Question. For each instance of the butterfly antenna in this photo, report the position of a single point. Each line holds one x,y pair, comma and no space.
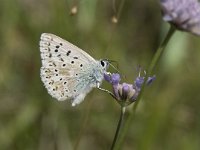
139,70
115,68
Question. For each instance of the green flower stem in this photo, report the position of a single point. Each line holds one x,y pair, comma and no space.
120,9
118,127
151,67
154,61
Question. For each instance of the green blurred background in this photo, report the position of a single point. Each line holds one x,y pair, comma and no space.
168,117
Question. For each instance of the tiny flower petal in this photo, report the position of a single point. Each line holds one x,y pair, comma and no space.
117,90
112,78
115,78
130,92
150,79
139,81
125,91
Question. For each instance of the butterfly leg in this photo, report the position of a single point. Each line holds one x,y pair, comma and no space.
104,90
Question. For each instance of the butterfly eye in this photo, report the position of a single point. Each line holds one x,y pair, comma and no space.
102,63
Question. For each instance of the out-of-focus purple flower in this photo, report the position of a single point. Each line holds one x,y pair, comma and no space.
184,14
126,93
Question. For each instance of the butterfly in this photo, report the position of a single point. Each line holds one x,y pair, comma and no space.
69,73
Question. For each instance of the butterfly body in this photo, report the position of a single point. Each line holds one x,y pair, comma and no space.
67,71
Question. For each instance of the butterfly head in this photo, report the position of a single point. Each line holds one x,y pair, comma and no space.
104,64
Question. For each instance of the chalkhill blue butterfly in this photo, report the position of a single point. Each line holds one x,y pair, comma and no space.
68,73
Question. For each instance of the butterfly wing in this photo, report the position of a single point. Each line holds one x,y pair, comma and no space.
63,70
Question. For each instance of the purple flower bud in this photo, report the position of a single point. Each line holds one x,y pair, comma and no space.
114,78
184,14
116,90
124,92
129,91
139,81
150,79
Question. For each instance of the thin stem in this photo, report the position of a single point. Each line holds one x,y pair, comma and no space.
161,49
151,67
120,9
117,12
154,62
118,127
114,6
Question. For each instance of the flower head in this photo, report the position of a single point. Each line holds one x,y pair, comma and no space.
126,93
184,14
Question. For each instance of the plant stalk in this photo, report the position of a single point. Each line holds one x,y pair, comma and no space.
121,118
151,67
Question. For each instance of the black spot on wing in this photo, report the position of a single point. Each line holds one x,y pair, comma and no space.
68,53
